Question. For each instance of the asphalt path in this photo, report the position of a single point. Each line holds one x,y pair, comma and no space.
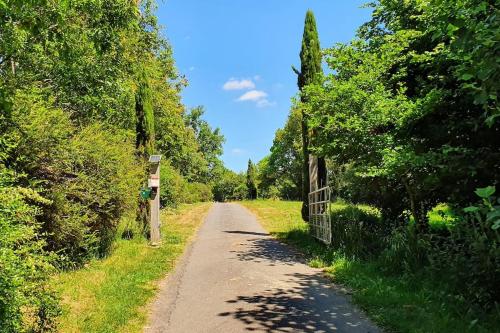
236,278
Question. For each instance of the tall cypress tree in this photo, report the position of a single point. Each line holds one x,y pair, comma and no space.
144,117
252,188
145,135
310,72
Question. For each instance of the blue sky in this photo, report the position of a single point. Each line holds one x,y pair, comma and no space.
237,57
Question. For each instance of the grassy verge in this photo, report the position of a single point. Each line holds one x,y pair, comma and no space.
111,295
397,303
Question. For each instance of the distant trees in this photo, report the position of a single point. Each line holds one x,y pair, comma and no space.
210,143
280,173
230,186
251,178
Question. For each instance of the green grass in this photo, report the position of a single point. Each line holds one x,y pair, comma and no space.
112,295
395,302
441,216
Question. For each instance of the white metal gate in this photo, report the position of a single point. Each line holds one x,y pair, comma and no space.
319,215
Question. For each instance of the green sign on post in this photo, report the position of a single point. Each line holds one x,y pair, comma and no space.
146,193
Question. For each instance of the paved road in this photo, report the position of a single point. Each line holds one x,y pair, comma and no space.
236,278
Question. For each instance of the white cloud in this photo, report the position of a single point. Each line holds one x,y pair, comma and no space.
237,151
262,103
234,84
253,95
257,96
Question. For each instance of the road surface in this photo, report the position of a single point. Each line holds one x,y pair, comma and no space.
236,278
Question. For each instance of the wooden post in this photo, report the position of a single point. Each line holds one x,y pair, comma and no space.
313,173
154,201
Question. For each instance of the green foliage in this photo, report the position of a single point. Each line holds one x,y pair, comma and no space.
356,230
471,253
396,111
251,186
80,82
280,174
172,186
230,186
27,303
310,53
87,173
209,142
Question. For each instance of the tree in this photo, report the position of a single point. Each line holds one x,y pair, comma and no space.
209,141
310,73
281,171
229,186
402,110
251,177
145,136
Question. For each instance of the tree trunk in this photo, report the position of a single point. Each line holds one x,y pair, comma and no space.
322,173
305,169
418,213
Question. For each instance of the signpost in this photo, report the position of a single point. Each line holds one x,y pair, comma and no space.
154,200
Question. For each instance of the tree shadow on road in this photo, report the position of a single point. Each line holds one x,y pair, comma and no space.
268,250
246,233
308,305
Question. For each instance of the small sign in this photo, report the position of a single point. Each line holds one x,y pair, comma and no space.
155,159
153,182
145,193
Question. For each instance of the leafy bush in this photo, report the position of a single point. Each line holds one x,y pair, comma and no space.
89,175
175,189
466,252
230,186
405,251
356,229
198,192
471,254
172,186
27,303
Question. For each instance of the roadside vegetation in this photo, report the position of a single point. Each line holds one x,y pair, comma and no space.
112,295
398,302
88,90
406,119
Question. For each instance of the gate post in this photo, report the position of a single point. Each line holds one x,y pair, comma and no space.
154,201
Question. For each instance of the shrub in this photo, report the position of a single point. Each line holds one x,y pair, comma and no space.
356,229
471,253
198,192
175,189
89,175
172,186
229,186
466,252
27,303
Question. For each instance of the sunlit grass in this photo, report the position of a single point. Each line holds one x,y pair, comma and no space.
394,301
111,295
